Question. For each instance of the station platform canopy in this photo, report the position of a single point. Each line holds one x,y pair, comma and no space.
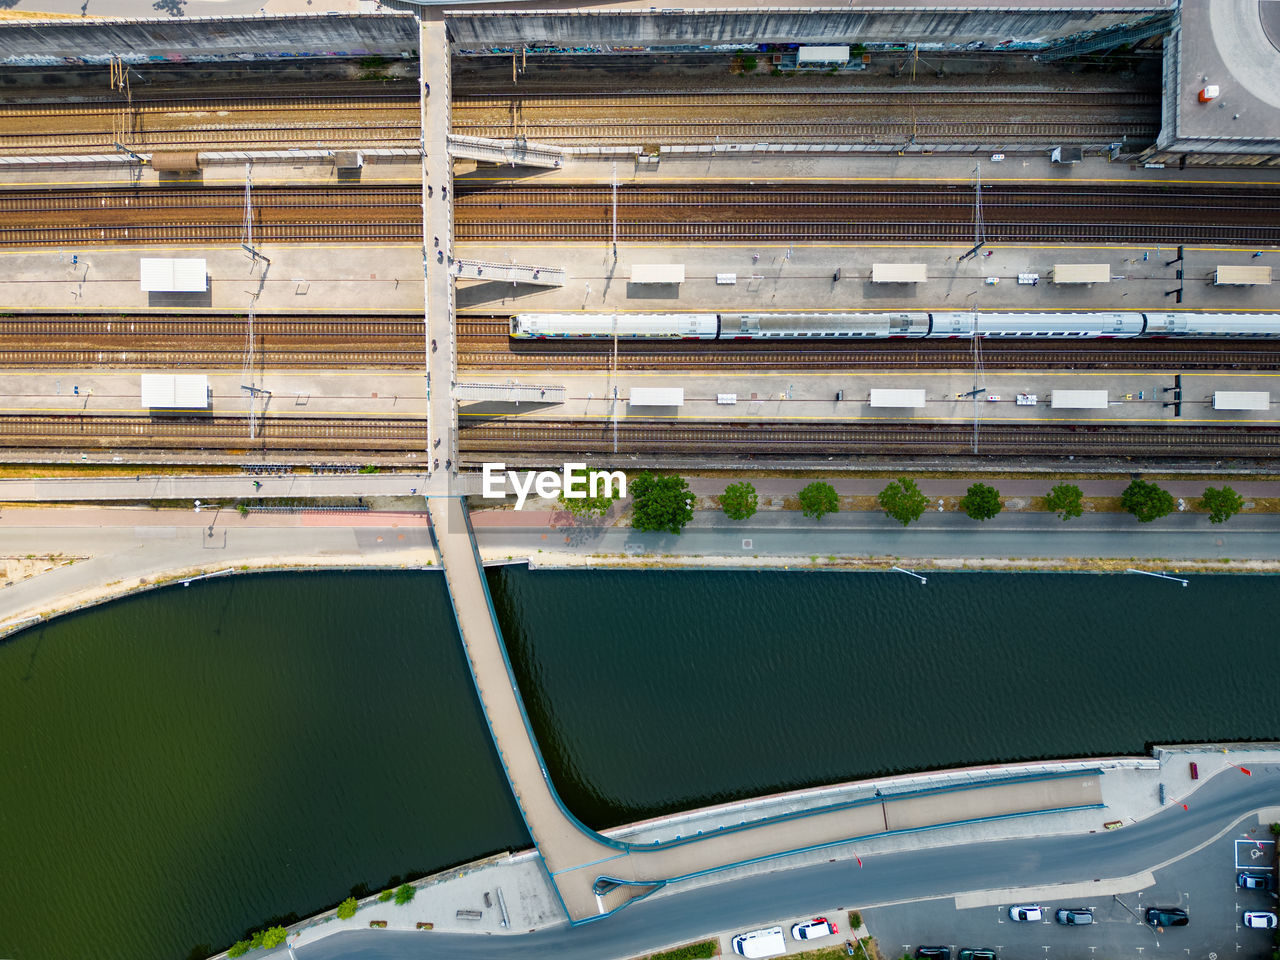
823,54
511,392
898,273
1241,400
656,397
165,275
657,273
1242,277
897,398
1079,400
169,391
1082,273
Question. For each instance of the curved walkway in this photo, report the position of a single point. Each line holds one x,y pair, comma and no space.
594,875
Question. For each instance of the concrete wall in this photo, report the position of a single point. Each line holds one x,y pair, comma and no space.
26,42
1027,28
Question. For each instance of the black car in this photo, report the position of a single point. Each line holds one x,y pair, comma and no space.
933,953
982,953
1075,916
1167,917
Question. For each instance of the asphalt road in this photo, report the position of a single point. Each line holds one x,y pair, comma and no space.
1219,807
1033,535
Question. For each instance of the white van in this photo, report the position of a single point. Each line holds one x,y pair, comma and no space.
760,943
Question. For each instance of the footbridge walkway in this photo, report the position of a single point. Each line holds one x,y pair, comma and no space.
592,874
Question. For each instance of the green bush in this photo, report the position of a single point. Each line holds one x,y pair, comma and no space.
347,908
369,468
981,502
1222,504
690,951
238,949
256,940
660,503
386,895
244,511
855,920
404,893
903,501
739,500
1146,501
818,499
272,937
1066,500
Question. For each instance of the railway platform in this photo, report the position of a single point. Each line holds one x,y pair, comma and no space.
371,279
1133,398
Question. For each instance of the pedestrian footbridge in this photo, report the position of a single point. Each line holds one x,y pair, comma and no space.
595,875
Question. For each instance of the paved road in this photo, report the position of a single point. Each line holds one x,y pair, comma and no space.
787,533
913,875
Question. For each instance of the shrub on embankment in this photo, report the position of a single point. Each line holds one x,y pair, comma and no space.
690,951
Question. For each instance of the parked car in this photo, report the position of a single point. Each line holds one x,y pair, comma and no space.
812,929
1167,917
981,953
1075,916
933,953
1259,919
1027,913
1256,880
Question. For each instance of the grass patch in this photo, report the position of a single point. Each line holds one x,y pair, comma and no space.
701,950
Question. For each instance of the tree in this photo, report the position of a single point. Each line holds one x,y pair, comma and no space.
1066,500
404,893
1222,504
739,500
818,499
588,506
660,503
347,908
903,501
274,936
1146,501
238,949
386,895
981,502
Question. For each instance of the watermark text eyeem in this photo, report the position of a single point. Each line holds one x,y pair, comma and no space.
573,481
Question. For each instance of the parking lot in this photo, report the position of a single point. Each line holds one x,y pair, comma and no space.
1203,884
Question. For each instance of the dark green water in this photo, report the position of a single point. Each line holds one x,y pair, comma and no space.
184,764
659,691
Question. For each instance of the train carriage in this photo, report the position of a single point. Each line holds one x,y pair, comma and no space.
799,326
1211,325
1059,325
626,326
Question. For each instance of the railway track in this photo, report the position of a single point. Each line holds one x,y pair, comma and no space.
782,439
501,353
58,342
852,99
210,433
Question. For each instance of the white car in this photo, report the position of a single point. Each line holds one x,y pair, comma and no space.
1259,919
1027,913
812,929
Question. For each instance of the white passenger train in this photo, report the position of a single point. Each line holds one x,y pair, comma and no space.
884,326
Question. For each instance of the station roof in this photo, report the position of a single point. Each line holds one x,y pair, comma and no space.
165,275
899,273
657,273
1247,276
1082,273
1079,399
897,398
656,397
1241,400
169,391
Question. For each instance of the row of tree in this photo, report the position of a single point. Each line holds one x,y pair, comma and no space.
665,503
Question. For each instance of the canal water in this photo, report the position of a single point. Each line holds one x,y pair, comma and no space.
183,765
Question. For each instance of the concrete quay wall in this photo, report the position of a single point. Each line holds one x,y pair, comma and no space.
1009,28
50,43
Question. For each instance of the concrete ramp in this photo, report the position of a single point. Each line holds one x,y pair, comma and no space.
511,153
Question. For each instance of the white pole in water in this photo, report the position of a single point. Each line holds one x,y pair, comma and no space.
923,580
1162,576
